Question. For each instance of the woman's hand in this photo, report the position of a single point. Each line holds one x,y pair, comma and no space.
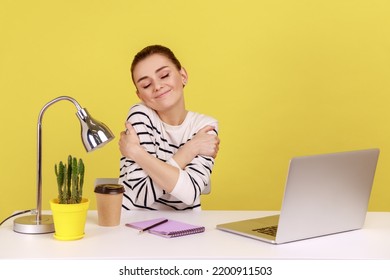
204,143
129,143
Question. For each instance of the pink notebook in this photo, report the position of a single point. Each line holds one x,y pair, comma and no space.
168,229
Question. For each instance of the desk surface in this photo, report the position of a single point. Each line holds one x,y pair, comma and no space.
121,242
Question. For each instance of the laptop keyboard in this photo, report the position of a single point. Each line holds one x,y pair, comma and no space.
267,230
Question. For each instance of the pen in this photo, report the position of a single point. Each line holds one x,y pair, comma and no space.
154,225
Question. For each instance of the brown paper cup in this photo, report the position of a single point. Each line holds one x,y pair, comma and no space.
109,204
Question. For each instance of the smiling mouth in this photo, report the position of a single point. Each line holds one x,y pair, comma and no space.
162,94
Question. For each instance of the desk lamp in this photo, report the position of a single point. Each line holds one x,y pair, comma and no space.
94,134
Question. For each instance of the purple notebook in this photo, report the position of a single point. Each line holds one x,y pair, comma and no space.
168,229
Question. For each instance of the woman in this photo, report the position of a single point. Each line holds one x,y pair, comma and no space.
167,152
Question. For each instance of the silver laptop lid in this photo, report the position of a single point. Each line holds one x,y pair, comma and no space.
326,194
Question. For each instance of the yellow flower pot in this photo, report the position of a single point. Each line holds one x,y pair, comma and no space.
69,219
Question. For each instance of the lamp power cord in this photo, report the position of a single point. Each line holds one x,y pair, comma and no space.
32,211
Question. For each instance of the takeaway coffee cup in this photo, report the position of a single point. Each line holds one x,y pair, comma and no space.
109,204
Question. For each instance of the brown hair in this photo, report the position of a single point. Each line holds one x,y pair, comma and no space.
154,49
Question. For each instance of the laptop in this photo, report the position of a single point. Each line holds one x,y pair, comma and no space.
324,194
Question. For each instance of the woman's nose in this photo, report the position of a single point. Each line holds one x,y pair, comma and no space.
158,86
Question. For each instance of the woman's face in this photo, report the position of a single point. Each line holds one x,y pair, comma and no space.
159,84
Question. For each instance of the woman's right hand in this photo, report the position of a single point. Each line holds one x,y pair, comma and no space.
205,143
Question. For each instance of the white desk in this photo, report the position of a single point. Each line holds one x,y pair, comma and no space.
121,242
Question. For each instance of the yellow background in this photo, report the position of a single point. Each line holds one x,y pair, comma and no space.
284,78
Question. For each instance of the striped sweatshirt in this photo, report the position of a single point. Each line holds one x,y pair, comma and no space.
162,141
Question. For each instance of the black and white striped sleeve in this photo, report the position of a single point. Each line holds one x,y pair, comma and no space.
195,176
141,190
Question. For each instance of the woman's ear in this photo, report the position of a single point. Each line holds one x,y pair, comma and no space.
184,76
139,96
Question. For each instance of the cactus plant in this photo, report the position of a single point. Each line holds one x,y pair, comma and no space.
70,180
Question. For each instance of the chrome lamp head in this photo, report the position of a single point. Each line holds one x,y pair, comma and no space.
94,134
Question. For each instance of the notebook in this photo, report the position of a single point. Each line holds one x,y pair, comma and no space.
170,228
324,194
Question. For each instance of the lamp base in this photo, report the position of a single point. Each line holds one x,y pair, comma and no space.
29,224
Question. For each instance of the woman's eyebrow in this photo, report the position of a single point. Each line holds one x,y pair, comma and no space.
158,70
142,78
161,68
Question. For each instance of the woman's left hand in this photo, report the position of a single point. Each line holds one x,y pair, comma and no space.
129,142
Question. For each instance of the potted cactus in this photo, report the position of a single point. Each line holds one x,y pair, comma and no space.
69,208
70,181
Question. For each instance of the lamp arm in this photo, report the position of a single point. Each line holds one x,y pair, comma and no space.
55,100
39,149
